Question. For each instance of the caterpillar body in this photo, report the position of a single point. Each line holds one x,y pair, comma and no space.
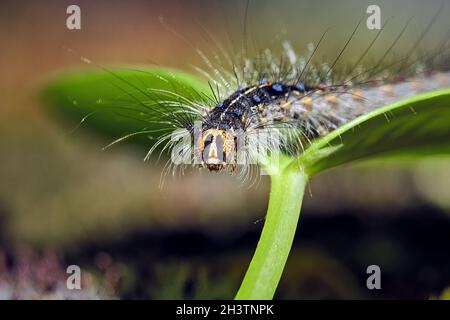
293,97
307,108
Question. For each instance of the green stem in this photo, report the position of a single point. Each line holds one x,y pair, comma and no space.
266,267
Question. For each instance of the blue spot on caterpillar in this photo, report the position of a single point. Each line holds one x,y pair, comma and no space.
278,87
300,86
256,98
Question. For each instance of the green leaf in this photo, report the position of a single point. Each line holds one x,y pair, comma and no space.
418,126
123,100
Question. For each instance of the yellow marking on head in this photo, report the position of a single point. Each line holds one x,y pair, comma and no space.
221,148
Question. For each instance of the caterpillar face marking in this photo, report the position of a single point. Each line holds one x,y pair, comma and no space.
218,148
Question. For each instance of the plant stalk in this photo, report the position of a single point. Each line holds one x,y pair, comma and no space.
265,270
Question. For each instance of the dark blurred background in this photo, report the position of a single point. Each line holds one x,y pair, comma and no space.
65,201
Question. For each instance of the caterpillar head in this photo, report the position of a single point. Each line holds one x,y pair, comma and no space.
218,149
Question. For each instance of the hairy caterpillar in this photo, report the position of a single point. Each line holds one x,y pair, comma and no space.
294,97
306,103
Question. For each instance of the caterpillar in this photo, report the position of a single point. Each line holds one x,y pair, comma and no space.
295,106
291,97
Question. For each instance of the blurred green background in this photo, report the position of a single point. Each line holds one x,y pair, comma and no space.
65,201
